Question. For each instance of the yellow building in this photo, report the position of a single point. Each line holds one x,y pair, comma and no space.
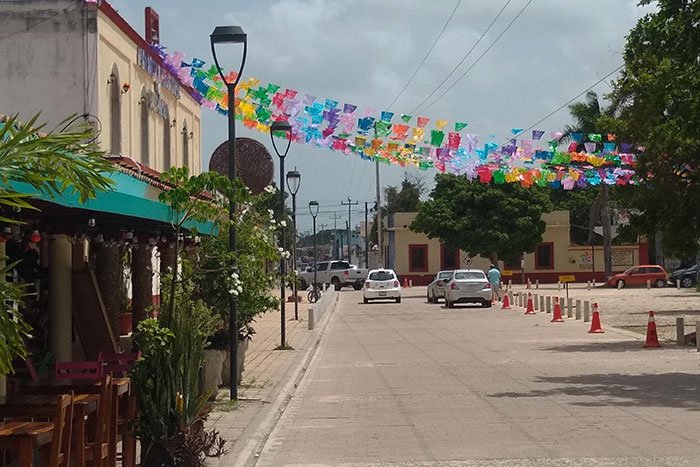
416,257
72,57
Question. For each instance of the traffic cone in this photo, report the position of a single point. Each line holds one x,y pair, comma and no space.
595,321
530,308
557,318
506,302
652,341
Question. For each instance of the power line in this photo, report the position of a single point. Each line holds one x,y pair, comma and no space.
522,10
410,80
464,57
65,10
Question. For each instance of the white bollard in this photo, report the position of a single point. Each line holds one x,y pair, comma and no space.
697,333
312,317
541,302
537,283
586,316
535,302
558,285
510,297
593,283
549,304
678,284
529,284
578,309
569,307
410,282
588,285
619,285
648,284
680,331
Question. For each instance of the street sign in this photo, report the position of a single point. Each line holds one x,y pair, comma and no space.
507,272
569,278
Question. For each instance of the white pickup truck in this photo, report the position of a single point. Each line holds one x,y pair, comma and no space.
338,273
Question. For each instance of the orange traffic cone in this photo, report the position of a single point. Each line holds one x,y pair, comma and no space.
506,302
530,307
557,318
652,341
595,321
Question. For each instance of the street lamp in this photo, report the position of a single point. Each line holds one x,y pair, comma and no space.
313,209
293,182
231,35
281,126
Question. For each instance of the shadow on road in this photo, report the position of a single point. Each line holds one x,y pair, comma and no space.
677,390
626,346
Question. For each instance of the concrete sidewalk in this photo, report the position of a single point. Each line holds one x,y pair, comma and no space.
269,380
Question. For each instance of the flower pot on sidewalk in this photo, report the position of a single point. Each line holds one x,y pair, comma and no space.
211,372
226,373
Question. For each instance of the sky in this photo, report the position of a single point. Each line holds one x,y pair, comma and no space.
537,55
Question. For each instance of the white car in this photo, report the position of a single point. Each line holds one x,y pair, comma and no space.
381,284
468,286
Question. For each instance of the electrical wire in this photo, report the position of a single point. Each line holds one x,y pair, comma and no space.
505,5
65,10
410,80
522,10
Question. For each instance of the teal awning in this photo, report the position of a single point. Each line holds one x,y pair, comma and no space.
129,197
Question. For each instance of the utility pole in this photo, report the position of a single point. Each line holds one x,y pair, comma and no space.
379,218
349,204
323,227
366,238
335,230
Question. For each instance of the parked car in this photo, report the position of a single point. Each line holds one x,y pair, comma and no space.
687,276
468,286
639,275
337,273
381,284
436,289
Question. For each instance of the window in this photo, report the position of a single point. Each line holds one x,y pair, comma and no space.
338,265
418,258
470,275
115,112
449,257
544,256
166,144
145,149
382,276
185,146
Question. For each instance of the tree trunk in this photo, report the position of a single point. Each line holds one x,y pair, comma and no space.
658,247
141,284
108,269
607,233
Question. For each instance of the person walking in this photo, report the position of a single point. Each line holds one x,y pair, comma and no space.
494,276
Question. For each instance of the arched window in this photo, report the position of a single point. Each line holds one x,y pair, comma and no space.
167,129
115,112
185,145
145,149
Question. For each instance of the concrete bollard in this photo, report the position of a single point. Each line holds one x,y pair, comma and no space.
680,331
593,283
510,296
697,333
569,307
537,283
619,285
588,285
648,284
549,304
510,283
535,302
541,302
529,284
678,284
312,317
586,306
325,287
578,309
558,285
410,282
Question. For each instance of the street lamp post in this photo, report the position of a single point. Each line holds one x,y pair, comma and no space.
293,183
313,209
231,35
282,126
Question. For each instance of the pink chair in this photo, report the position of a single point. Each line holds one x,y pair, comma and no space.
79,370
118,364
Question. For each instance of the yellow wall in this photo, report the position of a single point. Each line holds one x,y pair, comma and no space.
116,49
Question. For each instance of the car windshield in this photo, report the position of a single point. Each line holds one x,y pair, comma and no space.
381,276
445,275
469,275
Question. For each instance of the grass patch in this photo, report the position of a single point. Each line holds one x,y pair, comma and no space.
284,347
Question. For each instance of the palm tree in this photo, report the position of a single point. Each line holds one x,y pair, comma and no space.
63,160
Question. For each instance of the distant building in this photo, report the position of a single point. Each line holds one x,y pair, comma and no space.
415,256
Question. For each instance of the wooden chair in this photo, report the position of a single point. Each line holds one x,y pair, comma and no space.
97,450
118,364
78,370
52,437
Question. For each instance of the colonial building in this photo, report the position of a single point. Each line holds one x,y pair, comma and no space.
414,256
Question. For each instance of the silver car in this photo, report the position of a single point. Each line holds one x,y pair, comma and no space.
436,289
381,284
468,286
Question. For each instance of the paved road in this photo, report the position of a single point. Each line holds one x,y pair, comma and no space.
417,384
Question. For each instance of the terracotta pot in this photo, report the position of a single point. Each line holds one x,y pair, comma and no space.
124,324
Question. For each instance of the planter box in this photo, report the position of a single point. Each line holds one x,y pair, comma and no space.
226,373
216,373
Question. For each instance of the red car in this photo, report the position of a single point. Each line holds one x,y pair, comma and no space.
639,275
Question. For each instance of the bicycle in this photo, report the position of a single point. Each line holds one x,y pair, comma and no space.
314,294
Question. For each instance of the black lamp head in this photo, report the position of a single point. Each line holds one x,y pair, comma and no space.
313,208
293,181
280,125
228,34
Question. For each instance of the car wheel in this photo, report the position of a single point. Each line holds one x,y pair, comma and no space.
357,286
660,283
336,283
398,300
486,304
620,284
365,300
449,304
428,298
303,285
687,282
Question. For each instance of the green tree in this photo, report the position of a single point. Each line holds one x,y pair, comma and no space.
64,160
494,221
403,198
660,110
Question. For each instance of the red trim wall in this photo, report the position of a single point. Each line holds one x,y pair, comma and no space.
423,246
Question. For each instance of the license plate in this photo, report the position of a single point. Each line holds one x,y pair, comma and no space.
382,294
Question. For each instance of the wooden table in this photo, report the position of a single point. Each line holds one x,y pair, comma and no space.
122,391
44,406
25,437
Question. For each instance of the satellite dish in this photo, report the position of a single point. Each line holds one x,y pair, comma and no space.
253,163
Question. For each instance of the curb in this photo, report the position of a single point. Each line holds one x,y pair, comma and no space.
254,443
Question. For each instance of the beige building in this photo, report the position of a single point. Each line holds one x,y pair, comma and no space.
414,256
72,57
